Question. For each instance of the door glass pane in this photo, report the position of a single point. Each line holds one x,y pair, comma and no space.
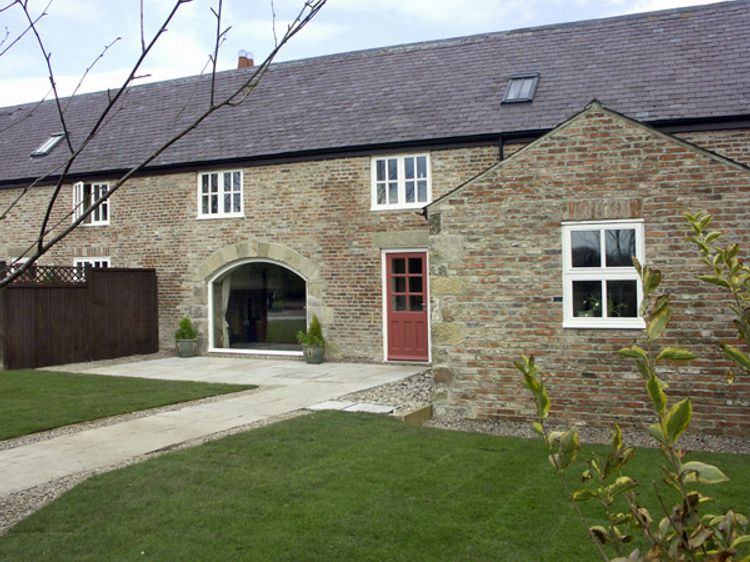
620,247
415,303
399,284
622,299
584,245
415,265
399,265
587,298
399,302
415,284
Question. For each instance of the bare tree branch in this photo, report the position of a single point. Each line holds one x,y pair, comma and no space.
30,27
89,68
39,247
143,34
273,24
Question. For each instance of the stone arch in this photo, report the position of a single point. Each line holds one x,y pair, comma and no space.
252,250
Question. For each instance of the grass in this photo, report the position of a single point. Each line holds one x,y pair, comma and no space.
32,401
330,486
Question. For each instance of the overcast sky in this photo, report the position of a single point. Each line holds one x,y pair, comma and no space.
76,31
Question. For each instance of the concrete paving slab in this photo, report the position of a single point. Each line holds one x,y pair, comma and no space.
330,405
285,386
370,408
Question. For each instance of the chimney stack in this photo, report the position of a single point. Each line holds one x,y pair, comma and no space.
245,59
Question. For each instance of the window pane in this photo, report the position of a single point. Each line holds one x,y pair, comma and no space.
620,247
380,170
214,204
525,90
399,302
409,168
622,299
422,191
381,194
587,298
204,183
392,169
514,88
399,284
227,202
415,284
204,204
399,265
584,246
415,265
422,167
236,181
227,181
410,192
392,193
236,204
415,303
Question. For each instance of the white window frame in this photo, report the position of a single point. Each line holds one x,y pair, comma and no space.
602,273
401,181
15,263
220,192
82,201
93,261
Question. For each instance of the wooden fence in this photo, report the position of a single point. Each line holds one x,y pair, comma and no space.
56,315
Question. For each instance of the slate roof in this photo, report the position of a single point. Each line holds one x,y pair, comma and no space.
676,64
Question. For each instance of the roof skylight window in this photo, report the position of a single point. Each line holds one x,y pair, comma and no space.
47,146
521,87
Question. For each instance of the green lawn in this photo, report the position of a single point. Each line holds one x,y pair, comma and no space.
33,401
329,486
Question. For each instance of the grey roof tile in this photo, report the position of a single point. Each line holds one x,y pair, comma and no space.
684,63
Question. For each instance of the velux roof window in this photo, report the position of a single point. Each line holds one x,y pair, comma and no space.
521,87
47,146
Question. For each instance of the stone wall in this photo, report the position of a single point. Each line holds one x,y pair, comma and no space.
496,274
313,216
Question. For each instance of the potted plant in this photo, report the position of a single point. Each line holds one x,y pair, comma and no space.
185,338
313,342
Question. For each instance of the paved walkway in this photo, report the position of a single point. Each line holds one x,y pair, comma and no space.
285,386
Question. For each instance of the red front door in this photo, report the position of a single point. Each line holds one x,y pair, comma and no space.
406,291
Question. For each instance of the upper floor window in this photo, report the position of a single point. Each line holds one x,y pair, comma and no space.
401,182
85,196
220,194
601,288
95,262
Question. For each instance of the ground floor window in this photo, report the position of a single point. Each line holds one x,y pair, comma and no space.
258,306
601,288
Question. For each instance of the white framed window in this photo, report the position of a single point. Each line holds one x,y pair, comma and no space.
220,194
401,182
16,263
99,262
85,196
601,288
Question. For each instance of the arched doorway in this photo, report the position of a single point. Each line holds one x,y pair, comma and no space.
257,306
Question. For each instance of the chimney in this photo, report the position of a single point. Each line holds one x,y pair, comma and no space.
245,59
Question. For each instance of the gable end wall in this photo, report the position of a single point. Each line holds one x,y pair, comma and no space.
496,273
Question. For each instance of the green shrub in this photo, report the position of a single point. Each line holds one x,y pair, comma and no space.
186,330
678,532
314,334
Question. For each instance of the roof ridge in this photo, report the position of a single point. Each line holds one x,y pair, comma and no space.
415,46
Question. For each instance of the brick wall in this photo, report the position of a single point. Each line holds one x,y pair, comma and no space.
319,210
734,144
496,276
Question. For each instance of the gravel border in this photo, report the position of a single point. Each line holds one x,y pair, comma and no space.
405,395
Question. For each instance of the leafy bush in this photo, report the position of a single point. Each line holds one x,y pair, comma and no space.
186,330
681,532
314,334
